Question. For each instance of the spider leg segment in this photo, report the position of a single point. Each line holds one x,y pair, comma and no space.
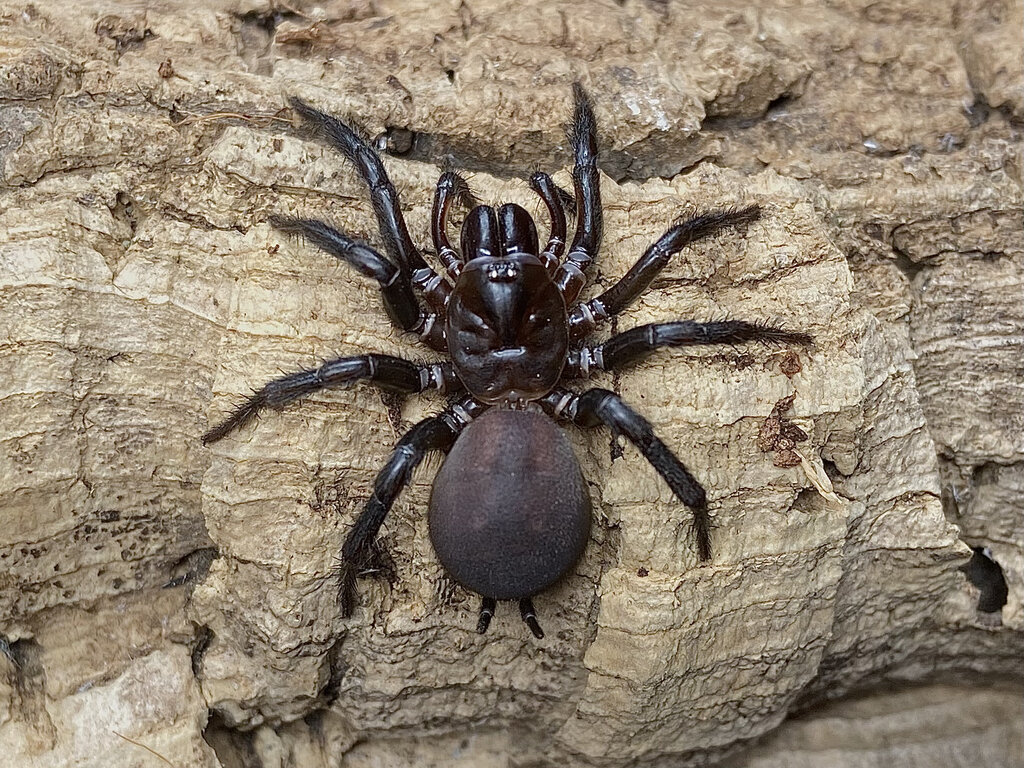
396,290
634,345
582,135
548,192
530,617
601,406
387,372
383,196
586,316
450,187
436,433
487,608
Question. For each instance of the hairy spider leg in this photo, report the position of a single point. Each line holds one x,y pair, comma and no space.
387,372
384,197
586,316
634,345
487,608
601,406
436,433
582,134
395,288
450,187
550,194
530,617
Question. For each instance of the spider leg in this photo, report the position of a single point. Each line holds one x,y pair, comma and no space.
387,372
601,406
396,290
487,608
436,433
586,316
383,196
530,617
450,187
633,345
582,135
548,192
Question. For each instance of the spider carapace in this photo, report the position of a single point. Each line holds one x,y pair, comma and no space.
509,509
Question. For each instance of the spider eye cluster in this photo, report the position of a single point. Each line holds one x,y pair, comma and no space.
503,271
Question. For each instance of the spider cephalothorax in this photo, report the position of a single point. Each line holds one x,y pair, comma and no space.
509,511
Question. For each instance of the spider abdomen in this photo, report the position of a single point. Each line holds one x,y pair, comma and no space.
509,510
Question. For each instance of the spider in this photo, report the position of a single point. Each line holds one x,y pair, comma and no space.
509,510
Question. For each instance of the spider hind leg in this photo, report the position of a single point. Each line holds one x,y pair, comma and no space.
487,608
601,406
530,617
374,562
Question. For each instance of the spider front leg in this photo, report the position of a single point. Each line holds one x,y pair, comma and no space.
601,406
395,287
530,617
436,433
387,372
633,345
384,197
488,606
582,134
587,316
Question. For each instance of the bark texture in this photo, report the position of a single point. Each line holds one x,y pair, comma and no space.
160,597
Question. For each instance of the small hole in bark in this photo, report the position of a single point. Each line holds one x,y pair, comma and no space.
615,448
807,500
778,106
338,671
203,639
395,141
987,575
831,469
7,649
25,656
265,20
234,747
978,112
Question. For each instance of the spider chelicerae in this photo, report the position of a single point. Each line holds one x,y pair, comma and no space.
509,509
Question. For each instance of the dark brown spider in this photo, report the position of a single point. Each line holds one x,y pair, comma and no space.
509,510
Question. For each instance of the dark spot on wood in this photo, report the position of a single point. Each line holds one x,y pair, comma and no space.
790,364
781,435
